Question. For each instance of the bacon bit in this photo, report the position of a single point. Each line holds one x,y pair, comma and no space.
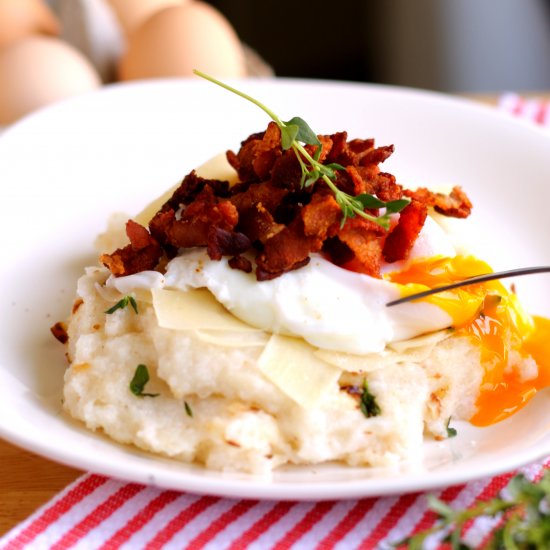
363,238
386,188
138,235
403,236
268,214
339,144
286,251
256,206
257,154
286,171
208,221
360,182
266,193
191,186
143,253
456,204
209,208
326,147
225,243
263,275
321,217
59,330
361,152
240,262
258,224
76,305
338,252
375,155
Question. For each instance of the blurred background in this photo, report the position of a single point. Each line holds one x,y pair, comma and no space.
462,45
50,49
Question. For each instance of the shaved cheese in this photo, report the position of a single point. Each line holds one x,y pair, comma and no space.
215,168
420,341
193,310
413,350
354,363
291,364
233,339
218,168
146,215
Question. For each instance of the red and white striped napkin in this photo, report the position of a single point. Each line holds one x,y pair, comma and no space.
533,109
97,512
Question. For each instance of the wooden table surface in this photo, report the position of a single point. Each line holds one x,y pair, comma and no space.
28,481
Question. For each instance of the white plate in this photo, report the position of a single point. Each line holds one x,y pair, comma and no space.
65,169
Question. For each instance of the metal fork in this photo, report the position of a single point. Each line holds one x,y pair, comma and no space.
471,281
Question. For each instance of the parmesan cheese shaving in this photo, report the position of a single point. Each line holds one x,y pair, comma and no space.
355,363
414,349
194,310
420,341
291,364
233,339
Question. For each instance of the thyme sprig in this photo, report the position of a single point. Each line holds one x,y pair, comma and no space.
523,507
295,134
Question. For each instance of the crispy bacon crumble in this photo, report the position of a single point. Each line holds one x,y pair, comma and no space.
59,330
270,217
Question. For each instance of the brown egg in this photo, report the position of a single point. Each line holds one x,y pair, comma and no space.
20,18
179,39
132,13
38,70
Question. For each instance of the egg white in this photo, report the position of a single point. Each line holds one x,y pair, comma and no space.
328,306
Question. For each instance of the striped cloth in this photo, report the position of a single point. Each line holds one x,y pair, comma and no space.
97,512
533,109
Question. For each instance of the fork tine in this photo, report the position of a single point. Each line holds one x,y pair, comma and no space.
471,281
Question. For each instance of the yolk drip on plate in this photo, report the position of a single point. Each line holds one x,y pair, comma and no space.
493,317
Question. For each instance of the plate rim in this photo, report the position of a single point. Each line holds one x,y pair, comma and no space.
275,491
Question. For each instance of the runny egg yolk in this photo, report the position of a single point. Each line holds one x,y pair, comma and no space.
492,316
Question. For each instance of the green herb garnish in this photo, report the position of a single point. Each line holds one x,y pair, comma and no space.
188,409
138,382
121,304
523,506
451,432
368,405
295,133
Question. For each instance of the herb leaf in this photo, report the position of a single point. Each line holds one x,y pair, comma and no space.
451,432
335,166
138,382
310,178
368,405
288,135
393,207
304,133
523,507
121,304
369,201
188,409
